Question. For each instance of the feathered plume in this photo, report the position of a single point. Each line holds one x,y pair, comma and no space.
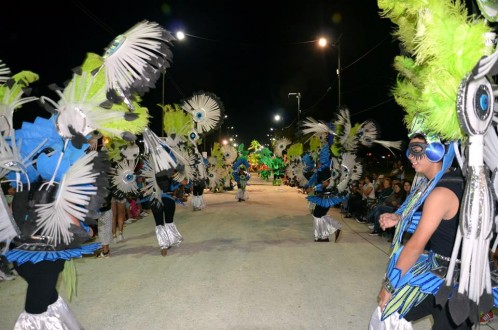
83,107
206,110
74,195
151,189
124,178
4,72
135,59
154,146
280,146
229,154
315,127
368,133
11,97
176,122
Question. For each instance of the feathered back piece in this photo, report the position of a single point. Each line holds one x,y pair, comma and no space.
206,110
433,32
135,59
280,146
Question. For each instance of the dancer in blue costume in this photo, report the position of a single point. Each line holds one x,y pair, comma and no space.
323,199
61,183
417,269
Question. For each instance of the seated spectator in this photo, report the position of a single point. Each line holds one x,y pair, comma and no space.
354,201
368,194
8,192
390,204
379,184
387,190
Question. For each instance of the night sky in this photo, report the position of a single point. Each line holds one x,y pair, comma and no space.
250,54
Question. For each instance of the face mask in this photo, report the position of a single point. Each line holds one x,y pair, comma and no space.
434,151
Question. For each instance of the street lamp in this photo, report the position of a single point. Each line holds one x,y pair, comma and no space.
298,96
322,42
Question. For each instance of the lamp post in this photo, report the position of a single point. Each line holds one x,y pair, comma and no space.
339,71
322,42
298,96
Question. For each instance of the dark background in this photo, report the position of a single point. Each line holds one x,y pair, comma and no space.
250,54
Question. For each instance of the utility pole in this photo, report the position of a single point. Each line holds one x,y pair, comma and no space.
298,96
339,71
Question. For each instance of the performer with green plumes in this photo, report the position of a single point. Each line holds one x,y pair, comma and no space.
446,87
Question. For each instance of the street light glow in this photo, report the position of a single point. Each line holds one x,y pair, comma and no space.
277,117
322,42
180,35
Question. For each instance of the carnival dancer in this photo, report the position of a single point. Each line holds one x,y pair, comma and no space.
158,170
437,228
198,186
61,183
241,175
453,286
322,199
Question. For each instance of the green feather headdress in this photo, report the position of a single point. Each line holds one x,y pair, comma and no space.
176,120
295,151
445,44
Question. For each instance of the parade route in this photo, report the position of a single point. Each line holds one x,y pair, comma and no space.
242,265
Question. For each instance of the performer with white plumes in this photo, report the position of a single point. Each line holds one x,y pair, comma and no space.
322,199
61,182
206,110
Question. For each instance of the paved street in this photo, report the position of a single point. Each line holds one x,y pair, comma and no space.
242,265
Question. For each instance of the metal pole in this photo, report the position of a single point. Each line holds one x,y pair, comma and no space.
162,110
298,106
339,73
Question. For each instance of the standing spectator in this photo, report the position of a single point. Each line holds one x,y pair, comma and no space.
398,170
105,228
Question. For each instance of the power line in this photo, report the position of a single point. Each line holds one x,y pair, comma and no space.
374,106
94,17
362,56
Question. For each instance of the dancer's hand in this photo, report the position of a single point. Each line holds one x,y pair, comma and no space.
388,220
383,298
